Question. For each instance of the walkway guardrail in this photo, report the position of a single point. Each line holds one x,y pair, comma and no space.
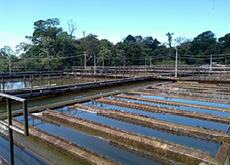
9,98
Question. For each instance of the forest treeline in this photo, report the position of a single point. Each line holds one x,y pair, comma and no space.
52,48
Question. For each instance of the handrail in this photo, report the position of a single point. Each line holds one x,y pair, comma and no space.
12,97
9,113
9,116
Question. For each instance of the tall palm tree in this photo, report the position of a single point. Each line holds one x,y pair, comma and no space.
169,35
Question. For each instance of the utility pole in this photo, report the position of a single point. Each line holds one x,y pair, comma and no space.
85,59
176,63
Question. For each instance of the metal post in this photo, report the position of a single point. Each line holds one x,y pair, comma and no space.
11,143
49,82
124,62
94,59
41,78
210,65
25,114
24,80
10,66
150,61
9,115
115,73
61,76
103,62
85,59
25,65
176,63
68,80
31,84
3,85
75,77
225,66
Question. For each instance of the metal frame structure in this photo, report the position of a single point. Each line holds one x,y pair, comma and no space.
9,117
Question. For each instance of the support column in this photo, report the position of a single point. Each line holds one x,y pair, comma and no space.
3,85
49,83
25,114
24,80
210,65
41,79
31,84
68,80
85,59
176,63
11,143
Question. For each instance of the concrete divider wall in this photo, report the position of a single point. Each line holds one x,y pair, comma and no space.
164,148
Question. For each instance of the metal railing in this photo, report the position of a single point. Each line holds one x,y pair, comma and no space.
9,117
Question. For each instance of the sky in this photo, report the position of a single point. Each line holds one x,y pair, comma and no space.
116,19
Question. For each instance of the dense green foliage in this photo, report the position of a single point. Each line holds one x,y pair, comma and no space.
52,48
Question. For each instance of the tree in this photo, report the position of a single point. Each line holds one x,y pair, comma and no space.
181,40
7,55
7,51
91,45
225,43
51,48
138,39
65,44
203,46
71,27
151,43
183,46
47,28
47,47
23,48
119,55
169,35
130,39
205,43
50,45
104,53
